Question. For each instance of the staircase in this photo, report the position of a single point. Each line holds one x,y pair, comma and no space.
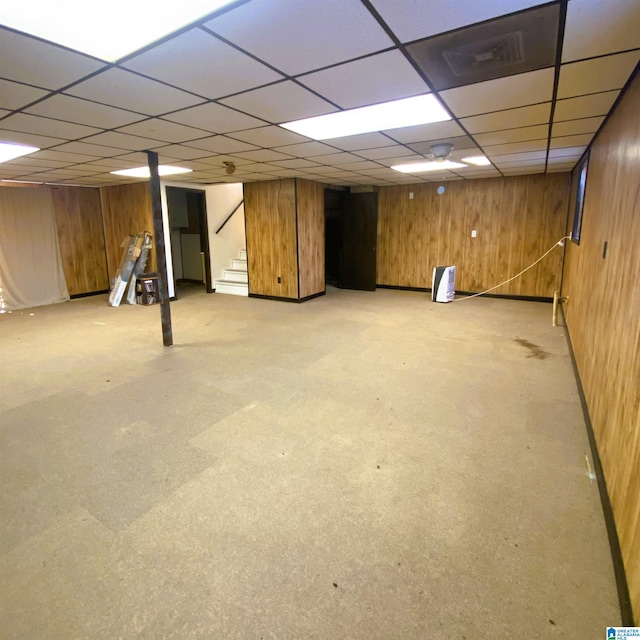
234,281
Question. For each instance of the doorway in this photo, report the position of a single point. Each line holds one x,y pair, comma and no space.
351,235
189,240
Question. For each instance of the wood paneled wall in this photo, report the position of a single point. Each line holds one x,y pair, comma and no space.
310,205
517,219
603,317
126,210
270,224
81,236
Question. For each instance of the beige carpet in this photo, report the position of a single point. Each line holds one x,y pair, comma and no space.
363,465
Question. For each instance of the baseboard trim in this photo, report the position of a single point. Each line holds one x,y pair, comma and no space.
393,286
281,299
469,293
75,296
622,585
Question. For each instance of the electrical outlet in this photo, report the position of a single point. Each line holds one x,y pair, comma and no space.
474,233
410,195
279,280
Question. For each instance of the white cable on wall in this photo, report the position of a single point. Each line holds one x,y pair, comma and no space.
560,243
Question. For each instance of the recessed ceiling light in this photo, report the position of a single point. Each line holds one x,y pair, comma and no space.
143,172
106,30
9,151
477,160
407,112
419,167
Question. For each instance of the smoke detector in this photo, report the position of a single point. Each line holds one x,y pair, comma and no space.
441,151
229,167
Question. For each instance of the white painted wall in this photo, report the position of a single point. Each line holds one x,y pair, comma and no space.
221,201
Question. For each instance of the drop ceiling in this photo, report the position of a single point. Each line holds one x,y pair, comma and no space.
217,90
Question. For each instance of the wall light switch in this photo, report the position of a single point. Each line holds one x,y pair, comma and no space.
474,233
410,195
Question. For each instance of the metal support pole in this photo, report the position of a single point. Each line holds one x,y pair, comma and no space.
158,232
554,318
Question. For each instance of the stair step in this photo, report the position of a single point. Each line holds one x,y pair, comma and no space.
231,287
243,254
239,263
236,275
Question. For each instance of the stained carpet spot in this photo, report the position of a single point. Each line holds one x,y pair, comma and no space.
535,351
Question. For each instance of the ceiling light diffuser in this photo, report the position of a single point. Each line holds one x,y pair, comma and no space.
106,30
420,167
480,161
407,112
143,172
10,151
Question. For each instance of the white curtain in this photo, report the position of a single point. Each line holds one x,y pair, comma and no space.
31,271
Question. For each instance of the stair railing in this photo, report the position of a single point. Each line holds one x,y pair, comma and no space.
221,227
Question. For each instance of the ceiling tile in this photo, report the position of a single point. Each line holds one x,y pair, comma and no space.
569,157
384,152
509,119
215,118
47,126
327,31
84,112
33,139
40,63
574,127
296,163
393,160
14,95
461,142
598,27
221,144
537,132
515,147
307,149
262,155
561,168
280,102
413,19
379,78
69,158
88,149
423,132
121,141
4,112
595,104
337,158
515,171
179,151
179,62
571,141
120,88
362,141
271,136
503,93
540,162
284,173
593,76
564,152
159,129
518,157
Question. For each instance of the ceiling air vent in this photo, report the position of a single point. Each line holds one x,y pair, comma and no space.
486,55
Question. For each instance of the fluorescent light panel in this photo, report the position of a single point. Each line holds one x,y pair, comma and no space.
106,30
143,172
420,167
10,151
479,161
407,112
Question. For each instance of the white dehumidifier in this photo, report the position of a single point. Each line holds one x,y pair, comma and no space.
443,284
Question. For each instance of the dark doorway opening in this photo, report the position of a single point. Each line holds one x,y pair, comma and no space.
351,234
189,240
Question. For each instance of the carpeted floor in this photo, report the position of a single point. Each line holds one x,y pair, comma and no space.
361,466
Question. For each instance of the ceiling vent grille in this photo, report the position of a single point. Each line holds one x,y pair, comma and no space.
494,53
